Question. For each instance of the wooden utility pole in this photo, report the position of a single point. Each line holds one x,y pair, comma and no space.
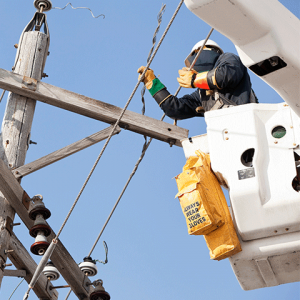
16,126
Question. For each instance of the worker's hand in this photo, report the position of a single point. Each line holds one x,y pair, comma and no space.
185,79
148,78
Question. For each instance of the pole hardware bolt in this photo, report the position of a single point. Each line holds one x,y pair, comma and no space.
16,46
44,75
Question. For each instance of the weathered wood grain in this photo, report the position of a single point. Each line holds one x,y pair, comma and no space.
17,121
64,152
63,261
94,109
23,261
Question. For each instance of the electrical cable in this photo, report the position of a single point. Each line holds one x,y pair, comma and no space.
50,249
79,8
16,288
2,95
194,61
159,19
145,147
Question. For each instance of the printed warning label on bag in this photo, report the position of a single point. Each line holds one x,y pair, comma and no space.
192,214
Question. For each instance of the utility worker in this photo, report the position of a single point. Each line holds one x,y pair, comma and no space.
220,78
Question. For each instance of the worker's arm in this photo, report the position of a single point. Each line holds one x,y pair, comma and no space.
176,108
227,74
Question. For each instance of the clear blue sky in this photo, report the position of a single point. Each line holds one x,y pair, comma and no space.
151,256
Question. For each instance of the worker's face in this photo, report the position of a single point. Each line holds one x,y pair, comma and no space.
205,61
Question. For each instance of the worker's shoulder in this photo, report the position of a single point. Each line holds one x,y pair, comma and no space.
229,57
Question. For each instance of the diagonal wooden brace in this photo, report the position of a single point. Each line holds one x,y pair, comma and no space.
63,261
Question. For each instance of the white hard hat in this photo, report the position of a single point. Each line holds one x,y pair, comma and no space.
209,43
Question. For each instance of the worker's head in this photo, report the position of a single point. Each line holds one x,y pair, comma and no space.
207,58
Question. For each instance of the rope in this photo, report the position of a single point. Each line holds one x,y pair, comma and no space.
16,288
159,19
50,249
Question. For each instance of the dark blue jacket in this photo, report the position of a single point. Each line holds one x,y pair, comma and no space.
233,83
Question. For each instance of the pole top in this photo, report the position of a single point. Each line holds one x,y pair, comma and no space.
42,5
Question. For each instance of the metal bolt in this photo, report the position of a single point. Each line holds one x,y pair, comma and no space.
287,229
32,142
16,46
15,224
44,75
276,142
294,144
8,251
226,131
13,68
48,53
227,138
7,265
275,231
17,172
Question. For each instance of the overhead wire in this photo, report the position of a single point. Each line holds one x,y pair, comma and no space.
159,19
79,8
145,147
2,95
16,288
51,248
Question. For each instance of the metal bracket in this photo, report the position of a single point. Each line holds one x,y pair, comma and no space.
9,225
26,200
86,283
29,83
15,273
49,289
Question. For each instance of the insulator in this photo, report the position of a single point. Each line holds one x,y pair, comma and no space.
39,209
40,228
50,271
99,292
45,3
41,244
88,266
40,225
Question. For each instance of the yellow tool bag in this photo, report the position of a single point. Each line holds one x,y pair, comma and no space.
196,196
220,235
